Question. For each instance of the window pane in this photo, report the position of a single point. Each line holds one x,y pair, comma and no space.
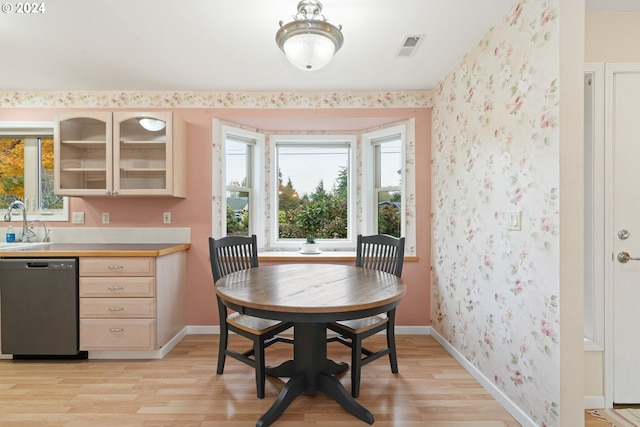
313,191
237,213
11,171
389,208
390,164
237,163
48,200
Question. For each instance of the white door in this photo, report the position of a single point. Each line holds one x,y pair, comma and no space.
625,187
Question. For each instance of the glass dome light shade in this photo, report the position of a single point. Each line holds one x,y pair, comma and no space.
309,44
309,51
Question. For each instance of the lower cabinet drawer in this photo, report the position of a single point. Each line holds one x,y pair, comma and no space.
117,307
94,287
117,266
114,334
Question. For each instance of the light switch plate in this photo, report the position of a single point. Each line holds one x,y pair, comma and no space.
514,220
105,217
166,218
78,217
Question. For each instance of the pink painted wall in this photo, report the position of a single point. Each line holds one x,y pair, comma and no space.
195,210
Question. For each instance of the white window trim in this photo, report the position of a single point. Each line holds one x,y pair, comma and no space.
328,139
370,220
35,130
219,214
251,178
407,185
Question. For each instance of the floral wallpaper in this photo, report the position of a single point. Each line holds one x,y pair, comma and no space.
197,99
496,150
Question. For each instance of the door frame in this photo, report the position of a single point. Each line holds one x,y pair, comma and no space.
594,209
608,259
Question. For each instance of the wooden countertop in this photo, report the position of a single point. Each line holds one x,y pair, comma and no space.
95,250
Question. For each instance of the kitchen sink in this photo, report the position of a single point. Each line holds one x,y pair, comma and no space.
20,245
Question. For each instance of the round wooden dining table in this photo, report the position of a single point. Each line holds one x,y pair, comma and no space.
310,296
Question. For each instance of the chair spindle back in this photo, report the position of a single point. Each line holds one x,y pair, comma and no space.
381,252
232,253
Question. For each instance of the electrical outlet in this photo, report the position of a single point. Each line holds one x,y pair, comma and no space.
105,217
166,217
78,217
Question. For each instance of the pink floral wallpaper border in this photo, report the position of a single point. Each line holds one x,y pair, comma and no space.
495,292
133,99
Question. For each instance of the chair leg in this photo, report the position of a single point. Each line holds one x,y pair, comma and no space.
391,342
222,348
258,349
356,366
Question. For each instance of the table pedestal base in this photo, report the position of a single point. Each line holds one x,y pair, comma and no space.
310,371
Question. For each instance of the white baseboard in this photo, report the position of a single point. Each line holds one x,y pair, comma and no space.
157,354
400,330
594,402
413,330
203,330
488,385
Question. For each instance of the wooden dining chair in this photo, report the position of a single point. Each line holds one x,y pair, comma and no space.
234,253
378,252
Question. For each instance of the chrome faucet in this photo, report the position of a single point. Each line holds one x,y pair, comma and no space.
26,233
46,230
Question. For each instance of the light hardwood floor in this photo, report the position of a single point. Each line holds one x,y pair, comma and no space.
594,421
182,389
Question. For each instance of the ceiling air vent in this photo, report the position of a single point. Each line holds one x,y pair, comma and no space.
409,45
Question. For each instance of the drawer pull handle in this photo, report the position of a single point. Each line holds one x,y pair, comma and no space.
116,329
116,288
116,309
116,267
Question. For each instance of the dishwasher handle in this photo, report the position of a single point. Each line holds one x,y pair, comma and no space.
51,264
37,265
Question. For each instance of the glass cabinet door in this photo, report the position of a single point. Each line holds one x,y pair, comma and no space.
142,153
82,154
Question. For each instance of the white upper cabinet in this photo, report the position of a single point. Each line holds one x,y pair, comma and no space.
120,154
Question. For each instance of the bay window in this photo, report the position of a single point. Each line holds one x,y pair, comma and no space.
287,187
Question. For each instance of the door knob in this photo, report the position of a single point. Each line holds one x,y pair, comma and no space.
624,257
623,234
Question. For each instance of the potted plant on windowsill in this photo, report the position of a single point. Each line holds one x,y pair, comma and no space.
310,246
309,221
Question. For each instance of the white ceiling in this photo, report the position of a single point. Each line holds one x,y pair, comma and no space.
169,45
230,44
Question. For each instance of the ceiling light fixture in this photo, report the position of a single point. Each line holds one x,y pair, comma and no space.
309,41
153,125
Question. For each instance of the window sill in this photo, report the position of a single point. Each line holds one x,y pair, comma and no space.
322,256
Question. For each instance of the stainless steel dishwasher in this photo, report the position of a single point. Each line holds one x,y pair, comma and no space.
39,307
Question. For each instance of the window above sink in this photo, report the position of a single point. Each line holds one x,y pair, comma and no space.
26,170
